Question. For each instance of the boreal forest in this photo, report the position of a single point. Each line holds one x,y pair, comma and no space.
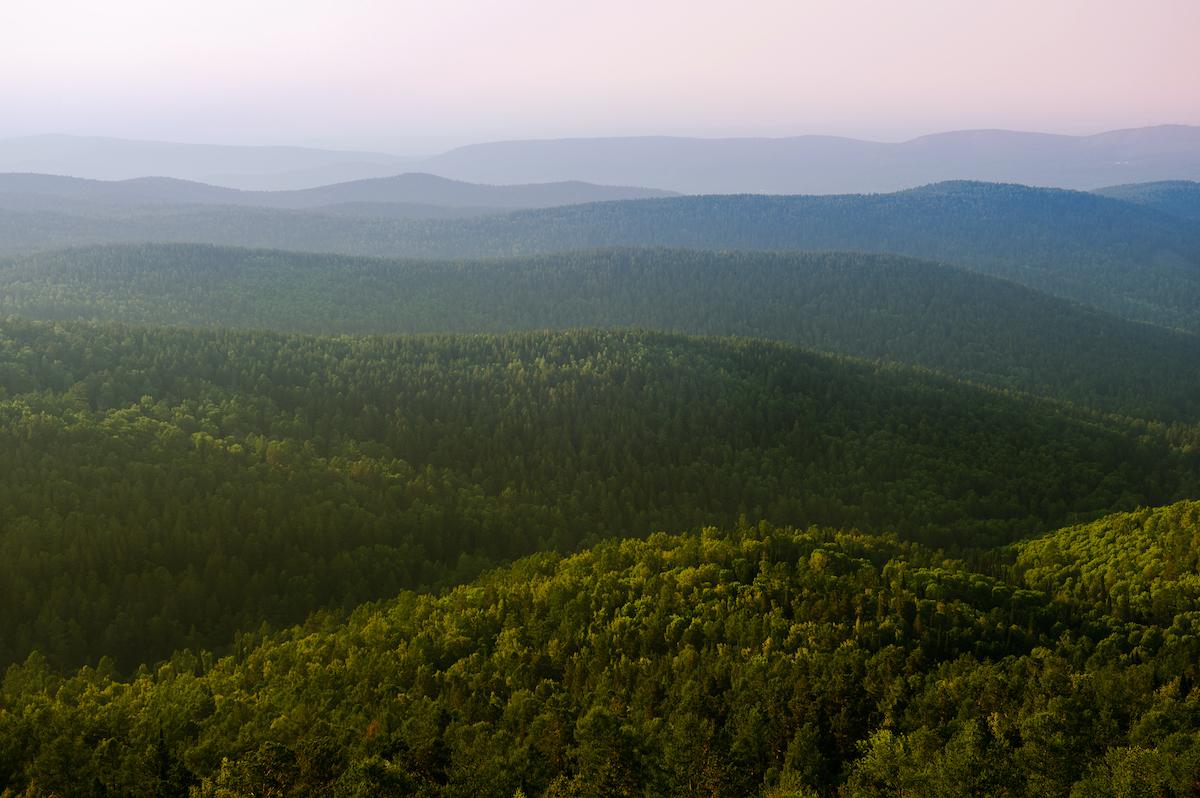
413,487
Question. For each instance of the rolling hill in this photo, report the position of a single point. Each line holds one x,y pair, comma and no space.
1176,197
791,165
874,306
169,488
752,660
38,191
1129,260
650,563
832,165
269,167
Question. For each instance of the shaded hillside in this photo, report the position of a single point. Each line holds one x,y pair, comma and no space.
756,660
887,307
165,488
1129,260
1177,197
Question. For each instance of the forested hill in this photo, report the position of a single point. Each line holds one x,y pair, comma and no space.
874,306
754,660
1130,260
166,488
1176,197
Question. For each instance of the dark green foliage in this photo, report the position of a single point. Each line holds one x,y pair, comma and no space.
755,661
164,488
925,314
1129,260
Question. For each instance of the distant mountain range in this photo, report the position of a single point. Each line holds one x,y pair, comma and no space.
235,166
829,165
413,191
795,165
1131,260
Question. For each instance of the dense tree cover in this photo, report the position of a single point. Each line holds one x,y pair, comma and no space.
898,309
758,660
1177,197
1140,568
1124,258
166,487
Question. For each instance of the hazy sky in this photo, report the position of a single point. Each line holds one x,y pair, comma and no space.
418,76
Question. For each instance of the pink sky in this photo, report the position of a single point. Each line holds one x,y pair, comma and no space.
418,76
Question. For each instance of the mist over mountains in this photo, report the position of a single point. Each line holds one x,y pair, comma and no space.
272,167
830,165
793,165
1131,259
26,191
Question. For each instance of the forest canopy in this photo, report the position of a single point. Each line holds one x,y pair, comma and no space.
747,660
873,306
168,488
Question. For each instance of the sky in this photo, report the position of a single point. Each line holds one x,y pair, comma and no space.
417,77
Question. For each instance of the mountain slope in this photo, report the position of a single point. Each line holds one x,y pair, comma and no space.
1131,261
898,309
830,165
1138,568
1011,226
757,660
1176,197
168,488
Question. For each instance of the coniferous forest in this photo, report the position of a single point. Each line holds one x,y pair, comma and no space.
687,496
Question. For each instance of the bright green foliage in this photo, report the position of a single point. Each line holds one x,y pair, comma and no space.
897,309
754,661
167,488
1142,568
